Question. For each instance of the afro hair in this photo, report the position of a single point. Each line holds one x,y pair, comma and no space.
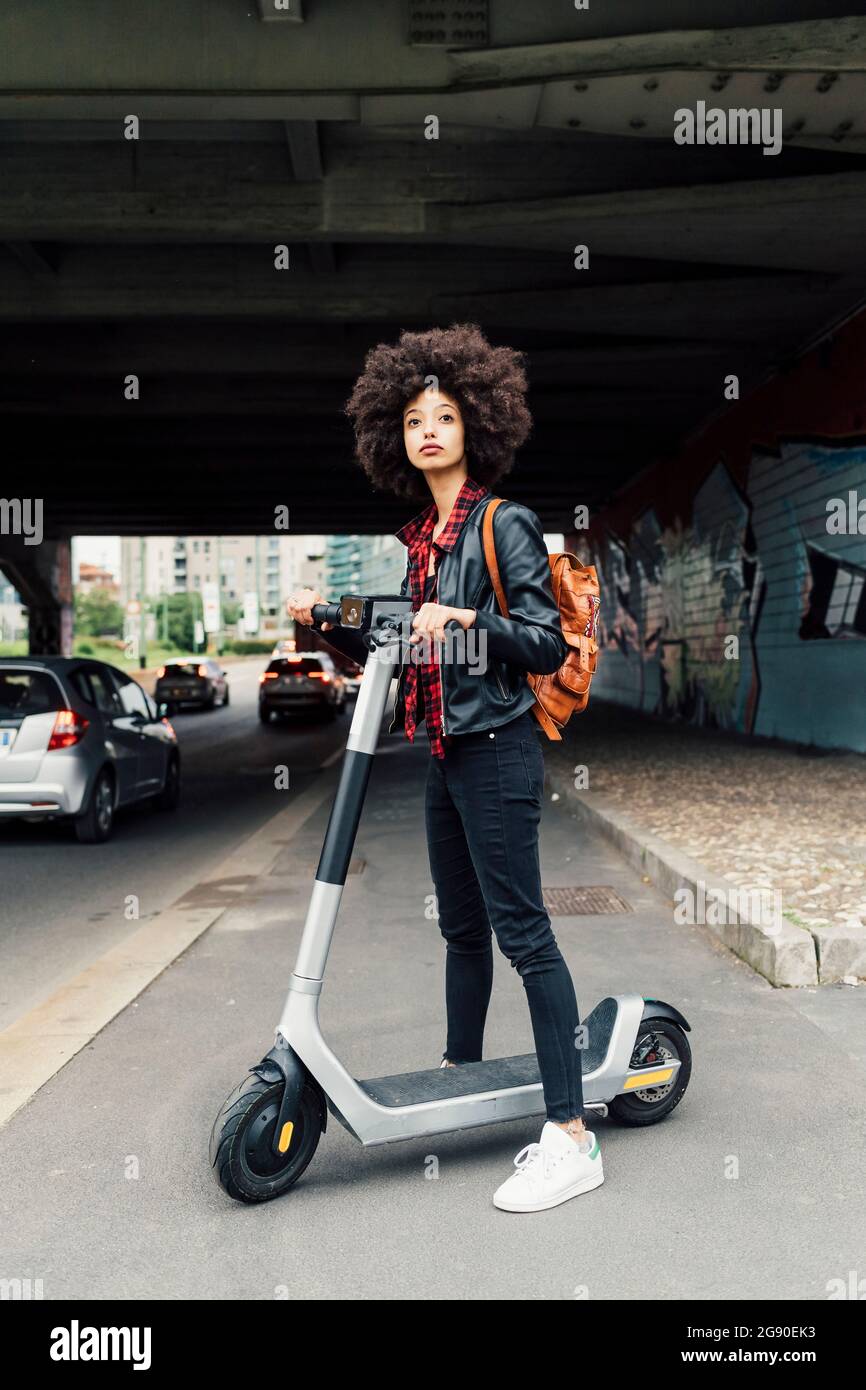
488,383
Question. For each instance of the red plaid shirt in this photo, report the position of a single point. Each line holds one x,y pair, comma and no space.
417,536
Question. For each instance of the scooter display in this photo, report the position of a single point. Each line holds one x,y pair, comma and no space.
635,1056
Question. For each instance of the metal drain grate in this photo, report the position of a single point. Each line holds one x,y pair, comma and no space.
584,902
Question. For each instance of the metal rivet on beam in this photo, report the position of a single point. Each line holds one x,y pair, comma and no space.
720,81
581,86
796,126
651,84
773,81
826,82
637,123
841,130
573,121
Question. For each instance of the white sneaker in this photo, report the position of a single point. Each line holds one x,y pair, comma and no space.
550,1172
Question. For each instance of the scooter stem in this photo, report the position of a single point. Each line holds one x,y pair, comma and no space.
346,810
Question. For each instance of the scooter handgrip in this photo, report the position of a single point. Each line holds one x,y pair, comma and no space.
326,612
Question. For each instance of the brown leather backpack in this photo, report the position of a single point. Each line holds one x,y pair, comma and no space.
575,589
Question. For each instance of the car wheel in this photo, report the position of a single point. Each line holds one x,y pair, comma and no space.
168,798
96,822
264,715
226,696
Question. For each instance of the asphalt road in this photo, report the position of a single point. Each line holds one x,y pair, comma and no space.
63,904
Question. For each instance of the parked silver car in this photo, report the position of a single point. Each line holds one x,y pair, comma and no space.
79,739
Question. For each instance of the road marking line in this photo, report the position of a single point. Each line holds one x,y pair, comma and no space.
36,1046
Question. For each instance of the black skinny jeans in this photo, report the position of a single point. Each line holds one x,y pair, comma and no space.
483,808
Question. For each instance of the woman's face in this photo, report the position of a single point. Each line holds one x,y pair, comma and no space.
433,432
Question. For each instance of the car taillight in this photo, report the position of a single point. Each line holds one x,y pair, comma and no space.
318,675
160,673
69,728
268,676
202,671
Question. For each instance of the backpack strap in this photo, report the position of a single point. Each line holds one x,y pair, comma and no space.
541,715
490,553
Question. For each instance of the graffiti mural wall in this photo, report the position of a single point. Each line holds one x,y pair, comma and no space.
740,602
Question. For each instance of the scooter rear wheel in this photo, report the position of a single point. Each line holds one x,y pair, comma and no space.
658,1040
241,1151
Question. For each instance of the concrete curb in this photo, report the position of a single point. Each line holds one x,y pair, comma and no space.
785,954
841,951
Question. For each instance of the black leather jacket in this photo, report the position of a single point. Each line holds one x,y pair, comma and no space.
479,694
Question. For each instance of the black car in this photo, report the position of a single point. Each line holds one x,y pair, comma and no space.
200,682
301,681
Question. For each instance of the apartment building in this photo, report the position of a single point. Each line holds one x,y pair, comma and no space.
270,566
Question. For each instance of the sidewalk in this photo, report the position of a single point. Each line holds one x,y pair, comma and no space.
105,1188
754,814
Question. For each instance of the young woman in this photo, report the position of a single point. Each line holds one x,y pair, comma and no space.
439,416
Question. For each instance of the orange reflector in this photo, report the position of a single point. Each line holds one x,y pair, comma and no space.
286,1136
648,1078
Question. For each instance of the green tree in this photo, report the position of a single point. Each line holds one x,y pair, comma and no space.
97,614
183,609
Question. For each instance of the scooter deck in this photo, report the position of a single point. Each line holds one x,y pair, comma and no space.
499,1074
441,1083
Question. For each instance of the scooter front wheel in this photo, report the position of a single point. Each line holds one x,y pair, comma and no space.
657,1042
241,1141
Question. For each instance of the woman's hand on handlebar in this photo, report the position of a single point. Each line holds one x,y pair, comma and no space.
431,618
300,605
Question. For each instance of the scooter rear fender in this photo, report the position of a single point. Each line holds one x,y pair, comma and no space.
657,1008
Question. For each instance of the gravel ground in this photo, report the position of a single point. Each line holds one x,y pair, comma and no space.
755,812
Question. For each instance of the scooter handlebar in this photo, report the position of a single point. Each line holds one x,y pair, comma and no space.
326,613
382,628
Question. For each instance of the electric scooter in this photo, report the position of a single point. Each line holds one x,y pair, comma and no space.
635,1056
